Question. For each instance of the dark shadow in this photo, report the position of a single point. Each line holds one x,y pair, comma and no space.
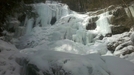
53,20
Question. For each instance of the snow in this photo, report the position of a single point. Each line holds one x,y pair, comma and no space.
8,55
92,64
129,57
119,66
132,37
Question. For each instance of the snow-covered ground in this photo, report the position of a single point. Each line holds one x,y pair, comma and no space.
8,56
66,47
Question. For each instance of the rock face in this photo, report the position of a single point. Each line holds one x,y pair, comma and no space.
33,1
91,26
92,23
120,21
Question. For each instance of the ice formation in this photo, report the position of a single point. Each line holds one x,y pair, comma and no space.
67,24
103,24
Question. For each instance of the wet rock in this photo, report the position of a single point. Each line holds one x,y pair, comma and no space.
32,70
13,24
128,52
91,26
101,37
92,23
120,21
119,29
111,46
53,20
21,17
96,12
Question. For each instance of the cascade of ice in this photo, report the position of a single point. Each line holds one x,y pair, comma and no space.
29,26
48,11
69,25
103,25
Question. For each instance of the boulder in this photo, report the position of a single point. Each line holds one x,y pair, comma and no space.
119,29
91,26
92,23
120,21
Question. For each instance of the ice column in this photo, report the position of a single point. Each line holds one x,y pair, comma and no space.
103,25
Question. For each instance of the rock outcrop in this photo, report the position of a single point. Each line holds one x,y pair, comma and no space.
120,21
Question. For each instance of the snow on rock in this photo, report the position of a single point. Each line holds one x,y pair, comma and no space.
53,62
120,44
8,55
132,37
129,57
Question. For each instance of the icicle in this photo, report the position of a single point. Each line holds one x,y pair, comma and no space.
103,25
29,25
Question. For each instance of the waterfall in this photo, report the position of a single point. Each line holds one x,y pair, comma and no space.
57,21
103,25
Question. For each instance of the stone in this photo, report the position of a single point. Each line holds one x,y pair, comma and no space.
119,29
91,26
111,7
128,52
53,20
120,21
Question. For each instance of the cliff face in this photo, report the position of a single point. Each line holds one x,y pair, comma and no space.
86,5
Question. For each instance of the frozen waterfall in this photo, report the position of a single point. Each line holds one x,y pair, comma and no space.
103,24
59,41
57,22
